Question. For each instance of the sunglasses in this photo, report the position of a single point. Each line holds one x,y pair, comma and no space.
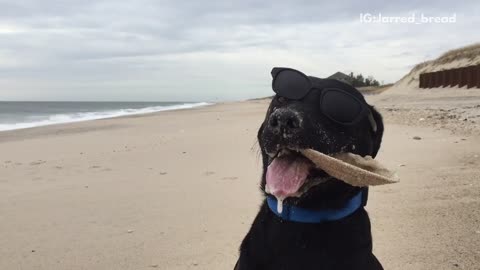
337,104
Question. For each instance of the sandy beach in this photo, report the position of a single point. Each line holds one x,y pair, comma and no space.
179,189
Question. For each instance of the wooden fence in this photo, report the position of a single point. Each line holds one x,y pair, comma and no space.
469,76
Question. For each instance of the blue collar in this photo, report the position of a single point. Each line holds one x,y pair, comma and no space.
297,214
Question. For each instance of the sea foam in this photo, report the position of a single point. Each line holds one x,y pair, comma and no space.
86,116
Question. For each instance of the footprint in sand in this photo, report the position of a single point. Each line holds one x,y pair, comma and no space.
163,173
230,178
208,173
95,167
38,162
444,197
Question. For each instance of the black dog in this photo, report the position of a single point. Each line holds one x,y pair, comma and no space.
327,226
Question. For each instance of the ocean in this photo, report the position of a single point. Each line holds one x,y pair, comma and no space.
19,115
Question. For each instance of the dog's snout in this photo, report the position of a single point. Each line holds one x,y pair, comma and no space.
285,121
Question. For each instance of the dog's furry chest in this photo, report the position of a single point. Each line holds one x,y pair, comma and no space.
276,244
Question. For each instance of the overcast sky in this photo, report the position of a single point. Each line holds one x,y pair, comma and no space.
209,50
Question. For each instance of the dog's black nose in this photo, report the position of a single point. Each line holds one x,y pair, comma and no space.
285,121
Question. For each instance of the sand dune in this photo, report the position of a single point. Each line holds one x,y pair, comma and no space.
461,57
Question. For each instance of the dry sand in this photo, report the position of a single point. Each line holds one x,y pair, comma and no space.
179,190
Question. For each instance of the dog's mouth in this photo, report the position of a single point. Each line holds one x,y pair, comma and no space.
290,174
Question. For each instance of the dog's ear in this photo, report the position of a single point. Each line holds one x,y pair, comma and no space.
265,121
260,130
260,146
377,130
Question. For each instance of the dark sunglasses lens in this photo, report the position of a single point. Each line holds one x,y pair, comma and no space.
340,106
291,84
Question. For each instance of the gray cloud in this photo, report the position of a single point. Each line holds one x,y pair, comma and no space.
207,50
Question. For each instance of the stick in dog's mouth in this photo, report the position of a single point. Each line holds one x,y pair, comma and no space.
287,174
352,169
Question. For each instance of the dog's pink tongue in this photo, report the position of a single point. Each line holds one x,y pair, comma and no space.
285,176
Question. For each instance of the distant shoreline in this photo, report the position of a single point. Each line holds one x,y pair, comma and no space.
24,114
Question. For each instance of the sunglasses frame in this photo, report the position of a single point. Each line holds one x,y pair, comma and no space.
276,71
364,107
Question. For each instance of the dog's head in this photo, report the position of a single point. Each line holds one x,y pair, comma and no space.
302,122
